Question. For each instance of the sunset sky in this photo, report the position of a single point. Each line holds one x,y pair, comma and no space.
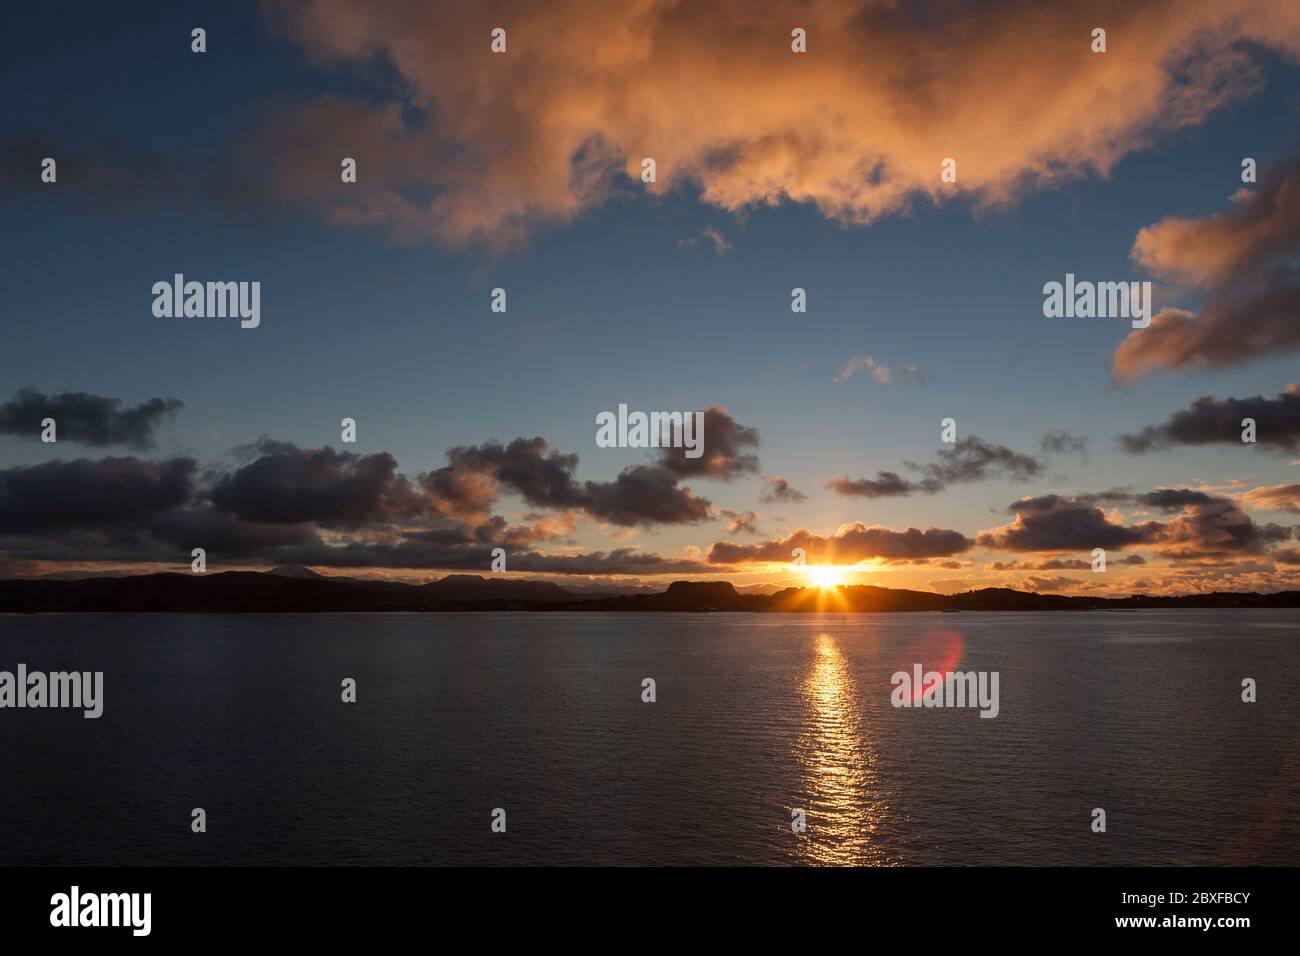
775,170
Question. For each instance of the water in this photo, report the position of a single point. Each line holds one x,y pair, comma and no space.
541,714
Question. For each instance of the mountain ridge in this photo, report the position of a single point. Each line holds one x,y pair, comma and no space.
270,592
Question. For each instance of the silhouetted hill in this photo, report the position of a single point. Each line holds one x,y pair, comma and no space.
251,591
702,593
472,587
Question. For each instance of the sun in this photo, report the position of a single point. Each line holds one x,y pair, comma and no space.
825,576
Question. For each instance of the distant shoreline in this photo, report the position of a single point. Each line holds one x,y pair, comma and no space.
268,592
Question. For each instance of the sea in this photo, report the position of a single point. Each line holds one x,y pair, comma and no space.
656,740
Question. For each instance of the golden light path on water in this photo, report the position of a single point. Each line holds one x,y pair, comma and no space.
843,810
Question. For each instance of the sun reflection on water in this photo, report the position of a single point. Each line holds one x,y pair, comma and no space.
838,761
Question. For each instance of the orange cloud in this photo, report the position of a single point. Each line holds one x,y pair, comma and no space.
1274,498
1242,262
857,126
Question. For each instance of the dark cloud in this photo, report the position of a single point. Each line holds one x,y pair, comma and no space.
281,503
1057,441
969,460
222,535
973,459
331,488
1211,527
59,495
1209,421
778,490
728,448
544,477
344,490
1056,523
1165,499
643,495
886,484
848,545
87,419
1203,526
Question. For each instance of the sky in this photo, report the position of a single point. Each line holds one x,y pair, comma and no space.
775,170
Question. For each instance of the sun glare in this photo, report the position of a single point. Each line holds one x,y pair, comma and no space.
824,575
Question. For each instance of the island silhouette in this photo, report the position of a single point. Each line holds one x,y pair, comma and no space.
300,590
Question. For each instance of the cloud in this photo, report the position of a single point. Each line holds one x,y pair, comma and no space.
220,533
856,364
1057,441
881,373
1057,523
713,235
642,495
973,459
284,504
1209,421
886,484
470,147
331,488
968,460
1274,498
1059,564
849,544
741,522
1202,525
1055,564
728,448
545,478
618,561
1208,526
1041,583
87,419
778,490
61,494
1243,263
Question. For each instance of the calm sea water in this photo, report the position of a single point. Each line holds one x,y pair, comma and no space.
541,714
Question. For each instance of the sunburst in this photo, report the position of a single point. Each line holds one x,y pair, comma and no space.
825,576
